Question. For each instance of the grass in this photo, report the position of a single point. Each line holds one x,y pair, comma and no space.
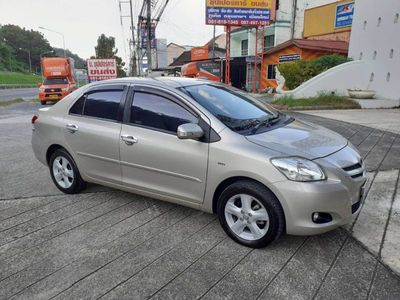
323,101
19,78
16,101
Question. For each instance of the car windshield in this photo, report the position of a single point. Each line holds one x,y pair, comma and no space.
50,81
234,108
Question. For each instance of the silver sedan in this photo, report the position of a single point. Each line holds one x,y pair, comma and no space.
207,146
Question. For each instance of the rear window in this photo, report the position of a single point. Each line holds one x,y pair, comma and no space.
103,104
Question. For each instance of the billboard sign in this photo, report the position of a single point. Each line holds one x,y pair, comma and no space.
199,53
143,35
344,15
240,12
101,69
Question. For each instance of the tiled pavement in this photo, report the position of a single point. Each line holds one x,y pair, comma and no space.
110,244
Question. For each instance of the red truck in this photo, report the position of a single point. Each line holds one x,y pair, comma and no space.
59,78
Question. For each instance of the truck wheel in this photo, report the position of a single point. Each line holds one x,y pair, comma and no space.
250,214
43,102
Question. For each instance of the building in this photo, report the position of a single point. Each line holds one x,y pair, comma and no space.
173,52
375,50
295,50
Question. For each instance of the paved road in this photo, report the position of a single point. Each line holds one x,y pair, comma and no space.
25,93
111,244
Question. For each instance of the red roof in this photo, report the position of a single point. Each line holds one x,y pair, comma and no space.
317,45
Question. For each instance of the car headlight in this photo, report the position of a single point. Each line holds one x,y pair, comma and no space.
41,89
299,169
65,89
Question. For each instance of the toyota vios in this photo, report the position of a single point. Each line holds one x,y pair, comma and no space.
207,146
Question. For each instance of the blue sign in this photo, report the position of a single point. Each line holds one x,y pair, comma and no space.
344,15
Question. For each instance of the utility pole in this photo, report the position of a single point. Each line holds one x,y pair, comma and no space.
148,24
134,65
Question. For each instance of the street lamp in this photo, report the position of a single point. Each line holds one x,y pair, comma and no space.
29,56
47,52
57,33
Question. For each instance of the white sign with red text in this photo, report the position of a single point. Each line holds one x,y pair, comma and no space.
101,69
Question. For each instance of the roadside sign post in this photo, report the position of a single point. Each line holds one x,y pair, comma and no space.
249,13
101,69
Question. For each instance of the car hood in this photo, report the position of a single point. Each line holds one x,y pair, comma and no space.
300,138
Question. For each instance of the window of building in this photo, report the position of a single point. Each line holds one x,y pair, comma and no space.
374,55
277,4
396,18
271,72
371,78
361,56
388,77
245,47
269,41
365,25
103,104
391,53
379,21
160,113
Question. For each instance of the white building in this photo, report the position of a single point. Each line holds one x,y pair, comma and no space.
375,49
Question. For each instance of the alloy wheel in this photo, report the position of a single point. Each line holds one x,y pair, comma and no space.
246,217
63,172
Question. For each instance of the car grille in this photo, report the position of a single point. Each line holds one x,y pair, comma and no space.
52,90
355,171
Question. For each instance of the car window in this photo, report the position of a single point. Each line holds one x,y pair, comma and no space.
77,108
103,104
158,112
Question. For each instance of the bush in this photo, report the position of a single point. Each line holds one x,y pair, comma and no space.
298,72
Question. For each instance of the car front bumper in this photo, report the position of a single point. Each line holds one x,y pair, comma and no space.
301,199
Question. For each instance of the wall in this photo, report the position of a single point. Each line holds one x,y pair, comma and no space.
273,59
173,51
382,38
369,72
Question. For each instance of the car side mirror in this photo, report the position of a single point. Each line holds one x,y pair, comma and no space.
189,131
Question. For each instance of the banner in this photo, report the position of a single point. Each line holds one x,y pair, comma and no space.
101,69
199,53
344,15
240,12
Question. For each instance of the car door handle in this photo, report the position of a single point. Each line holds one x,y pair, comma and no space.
72,128
129,140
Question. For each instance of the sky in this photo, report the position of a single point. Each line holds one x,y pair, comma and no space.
82,21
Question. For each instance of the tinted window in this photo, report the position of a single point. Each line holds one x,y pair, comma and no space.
55,81
77,108
103,104
158,112
235,109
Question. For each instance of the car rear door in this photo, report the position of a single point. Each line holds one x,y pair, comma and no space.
92,131
153,159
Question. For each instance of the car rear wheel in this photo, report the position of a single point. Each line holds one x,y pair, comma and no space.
251,214
64,173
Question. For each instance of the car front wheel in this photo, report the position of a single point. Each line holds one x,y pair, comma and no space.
251,214
64,173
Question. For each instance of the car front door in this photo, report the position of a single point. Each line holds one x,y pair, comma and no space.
92,131
153,158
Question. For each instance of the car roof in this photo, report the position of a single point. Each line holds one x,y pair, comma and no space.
172,82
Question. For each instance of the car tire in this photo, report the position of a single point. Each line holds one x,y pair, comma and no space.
251,214
43,102
65,173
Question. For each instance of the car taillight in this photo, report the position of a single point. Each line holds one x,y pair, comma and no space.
34,118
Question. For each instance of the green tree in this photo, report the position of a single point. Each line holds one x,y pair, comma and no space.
106,49
20,41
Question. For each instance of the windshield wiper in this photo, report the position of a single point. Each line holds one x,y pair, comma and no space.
265,122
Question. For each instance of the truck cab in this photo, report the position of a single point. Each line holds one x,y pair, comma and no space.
59,79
